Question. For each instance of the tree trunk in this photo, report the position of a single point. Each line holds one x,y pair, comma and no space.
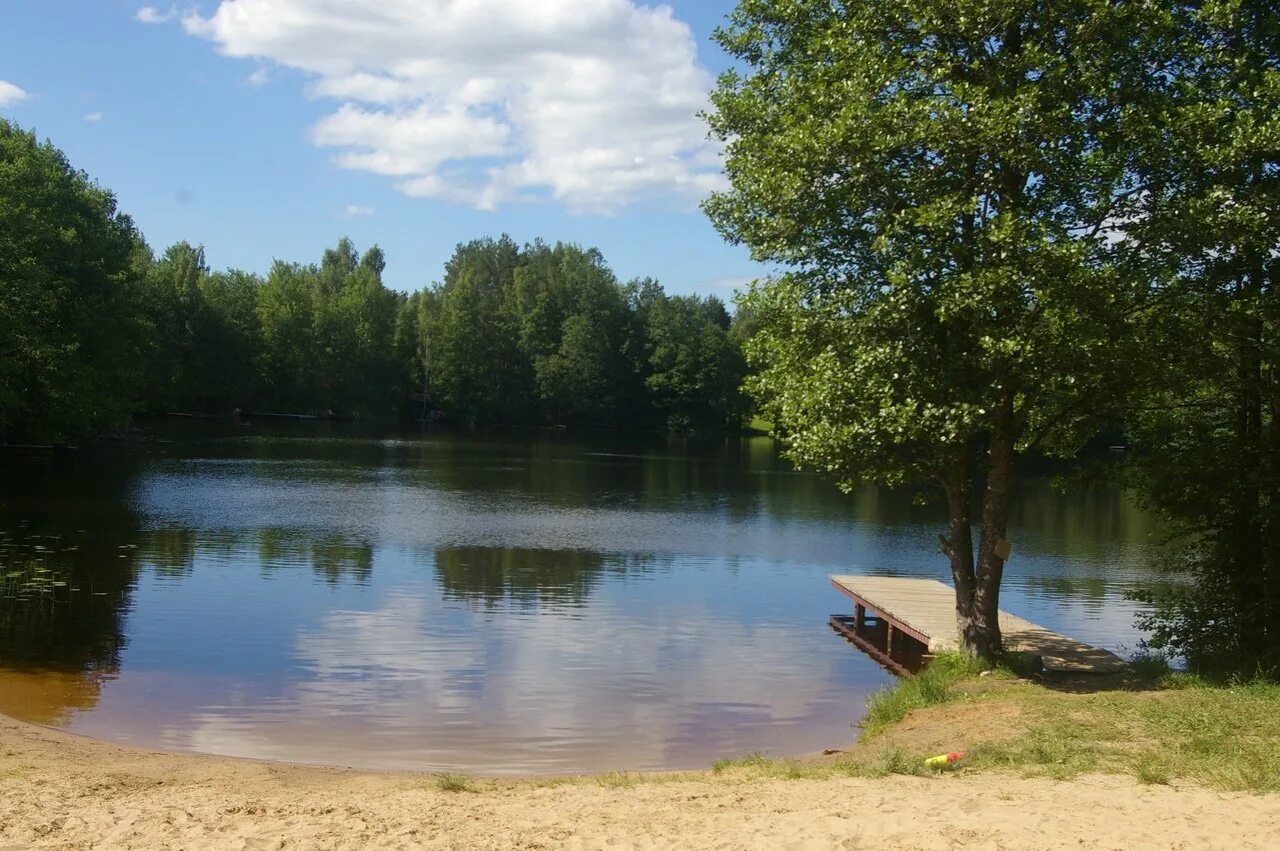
1247,537
1270,598
1249,573
958,545
980,632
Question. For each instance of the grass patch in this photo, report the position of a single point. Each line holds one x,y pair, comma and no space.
933,686
860,762
1225,736
1058,750
1151,665
895,760
751,760
619,779
454,783
1151,768
1159,726
759,766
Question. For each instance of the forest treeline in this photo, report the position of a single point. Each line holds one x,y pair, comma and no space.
94,327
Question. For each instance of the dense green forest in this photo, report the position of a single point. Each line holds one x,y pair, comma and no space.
94,328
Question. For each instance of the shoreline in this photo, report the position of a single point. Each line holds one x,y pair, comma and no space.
54,731
10,722
65,790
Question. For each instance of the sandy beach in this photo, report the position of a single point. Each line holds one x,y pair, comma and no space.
62,791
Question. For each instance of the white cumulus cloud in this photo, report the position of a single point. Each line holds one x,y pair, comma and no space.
354,210
93,117
591,102
152,15
11,94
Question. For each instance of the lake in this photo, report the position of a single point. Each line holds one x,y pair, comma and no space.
497,602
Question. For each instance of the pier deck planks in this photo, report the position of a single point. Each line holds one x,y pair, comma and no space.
926,610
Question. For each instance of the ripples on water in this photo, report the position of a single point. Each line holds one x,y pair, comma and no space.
512,603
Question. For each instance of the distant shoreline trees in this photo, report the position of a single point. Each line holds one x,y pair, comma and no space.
96,328
547,334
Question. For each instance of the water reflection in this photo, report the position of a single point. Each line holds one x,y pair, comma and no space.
491,602
494,577
56,655
49,696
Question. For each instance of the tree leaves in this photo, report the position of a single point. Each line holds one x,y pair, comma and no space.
68,293
924,169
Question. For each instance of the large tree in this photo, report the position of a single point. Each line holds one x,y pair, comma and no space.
70,306
695,368
286,314
174,306
475,369
230,338
571,312
940,179
1207,429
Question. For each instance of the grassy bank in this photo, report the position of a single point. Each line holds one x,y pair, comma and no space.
1157,726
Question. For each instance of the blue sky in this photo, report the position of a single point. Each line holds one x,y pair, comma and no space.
270,128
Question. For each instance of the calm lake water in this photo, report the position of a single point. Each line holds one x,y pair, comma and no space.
494,602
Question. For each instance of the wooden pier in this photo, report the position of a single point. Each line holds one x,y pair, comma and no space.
902,623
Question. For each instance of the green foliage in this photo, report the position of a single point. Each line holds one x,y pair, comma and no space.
751,760
1153,769
332,336
1151,666
546,334
620,780
230,338
286,311
205,334
571,319
1207,422
454,783
173,306
893,760
932,686
474,369
94,326
695,367
70,284
942,216
1004,224
407,344
938,179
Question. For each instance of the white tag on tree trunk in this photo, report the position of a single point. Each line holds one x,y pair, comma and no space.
1003,549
